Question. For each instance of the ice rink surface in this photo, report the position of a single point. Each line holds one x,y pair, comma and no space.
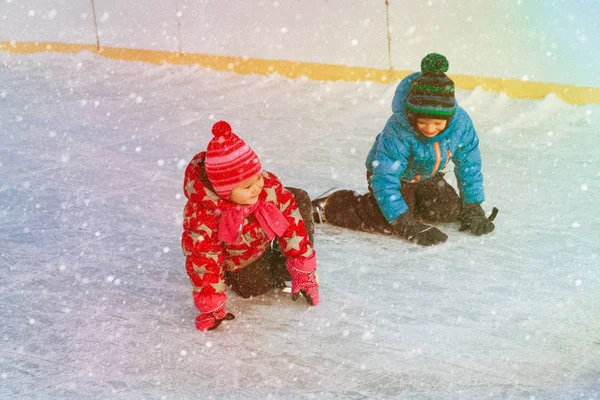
95,302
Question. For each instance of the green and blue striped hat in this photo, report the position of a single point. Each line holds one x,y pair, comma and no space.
431,94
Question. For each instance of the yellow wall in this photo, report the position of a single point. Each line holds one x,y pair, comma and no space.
317,71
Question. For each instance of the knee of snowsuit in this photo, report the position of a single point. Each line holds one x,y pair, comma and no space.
432,200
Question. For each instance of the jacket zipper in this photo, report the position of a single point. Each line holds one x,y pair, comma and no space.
438,157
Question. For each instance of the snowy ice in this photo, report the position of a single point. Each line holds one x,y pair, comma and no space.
95,302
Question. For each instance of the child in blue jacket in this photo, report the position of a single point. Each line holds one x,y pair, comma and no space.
404,167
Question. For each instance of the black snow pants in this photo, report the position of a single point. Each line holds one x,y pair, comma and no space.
431,200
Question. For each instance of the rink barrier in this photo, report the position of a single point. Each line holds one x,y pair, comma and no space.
323,72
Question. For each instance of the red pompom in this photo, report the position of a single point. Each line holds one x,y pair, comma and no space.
221,129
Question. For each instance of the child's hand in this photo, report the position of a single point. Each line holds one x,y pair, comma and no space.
414,231
211,320
308,287
472,218
304,278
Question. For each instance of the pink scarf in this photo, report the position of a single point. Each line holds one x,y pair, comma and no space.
270,219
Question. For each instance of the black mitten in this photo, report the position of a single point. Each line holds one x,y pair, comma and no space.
472,218
412,230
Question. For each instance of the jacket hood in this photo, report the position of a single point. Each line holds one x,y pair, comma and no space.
399,102
197,187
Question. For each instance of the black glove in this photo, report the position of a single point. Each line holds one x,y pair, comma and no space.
413,231
472,218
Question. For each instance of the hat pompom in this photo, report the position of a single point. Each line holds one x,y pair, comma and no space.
431,93
221,129
434,64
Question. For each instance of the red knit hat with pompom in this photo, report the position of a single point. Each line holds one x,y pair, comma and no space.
229,161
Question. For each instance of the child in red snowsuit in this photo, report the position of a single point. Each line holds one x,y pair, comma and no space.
243,229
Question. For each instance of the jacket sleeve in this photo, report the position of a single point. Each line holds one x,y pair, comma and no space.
199,243
294,242
467,165
204,261
388,163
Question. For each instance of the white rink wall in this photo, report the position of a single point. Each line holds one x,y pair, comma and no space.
531,40
47,20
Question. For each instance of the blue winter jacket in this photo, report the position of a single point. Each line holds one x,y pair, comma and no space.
401,153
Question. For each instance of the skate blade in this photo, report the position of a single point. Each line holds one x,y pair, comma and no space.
288,287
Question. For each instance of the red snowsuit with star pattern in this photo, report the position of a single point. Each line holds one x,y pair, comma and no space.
207,258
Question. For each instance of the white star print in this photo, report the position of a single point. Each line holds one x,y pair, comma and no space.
210,195
308,252
201,270
220,286
271,196
293,242
189,188
214,256
296,215
206,229
284,206
196,237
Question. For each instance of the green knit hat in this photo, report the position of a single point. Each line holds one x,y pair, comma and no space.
431,94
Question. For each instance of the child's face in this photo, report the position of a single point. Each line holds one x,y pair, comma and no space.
431,127
246,193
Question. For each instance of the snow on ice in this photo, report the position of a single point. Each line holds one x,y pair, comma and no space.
95,302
